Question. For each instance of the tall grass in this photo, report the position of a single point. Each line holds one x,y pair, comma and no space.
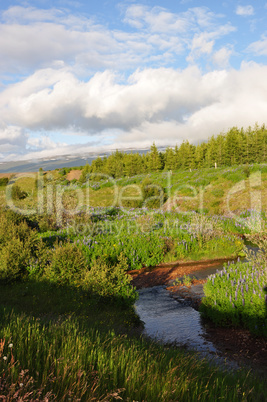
70,361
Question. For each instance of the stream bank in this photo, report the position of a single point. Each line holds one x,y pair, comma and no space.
234,344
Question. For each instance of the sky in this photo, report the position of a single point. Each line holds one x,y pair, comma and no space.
94,76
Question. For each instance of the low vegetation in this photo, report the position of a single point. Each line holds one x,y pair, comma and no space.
237,295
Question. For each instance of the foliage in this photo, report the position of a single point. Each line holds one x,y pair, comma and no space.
111,280
4,181
148,239
236,147
46,222
187,281
17,193
153,195
21,251
67,264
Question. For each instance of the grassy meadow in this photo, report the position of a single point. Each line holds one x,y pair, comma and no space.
68,328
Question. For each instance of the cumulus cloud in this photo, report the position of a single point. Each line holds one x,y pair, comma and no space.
163,105
244,11
54,99
203,43
79,78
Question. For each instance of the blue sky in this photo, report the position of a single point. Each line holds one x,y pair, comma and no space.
85,76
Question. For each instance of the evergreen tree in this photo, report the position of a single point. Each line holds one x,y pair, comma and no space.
154,161
169,159
85,173
235,147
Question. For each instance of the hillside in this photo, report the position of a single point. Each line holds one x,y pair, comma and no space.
226,191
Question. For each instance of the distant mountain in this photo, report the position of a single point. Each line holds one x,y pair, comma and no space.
46,164
55,163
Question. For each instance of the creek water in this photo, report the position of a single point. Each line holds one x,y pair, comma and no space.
167,320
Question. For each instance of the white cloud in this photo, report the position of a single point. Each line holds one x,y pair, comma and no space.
156,19
81,78
32,39
203,43
52,99
259,47
244,11
44,142
163,105
221,57
12,139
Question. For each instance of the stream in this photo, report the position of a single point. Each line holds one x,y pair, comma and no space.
175,321
169,321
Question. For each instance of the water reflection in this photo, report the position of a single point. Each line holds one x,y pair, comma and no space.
170,321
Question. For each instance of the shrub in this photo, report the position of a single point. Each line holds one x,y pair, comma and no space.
68,264
246,171
12,217
154,196
16,218
111,281
21,251
46,223
3,181
17,193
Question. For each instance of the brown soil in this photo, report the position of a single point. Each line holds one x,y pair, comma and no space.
5,175
164,273
236,344
74,174
240,345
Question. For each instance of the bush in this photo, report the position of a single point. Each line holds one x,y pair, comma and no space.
154,196
68,264
111,281
46,223
21,251
17,193
3,181
246,171
12,217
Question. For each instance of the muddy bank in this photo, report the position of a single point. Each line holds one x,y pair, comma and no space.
239,345
165,273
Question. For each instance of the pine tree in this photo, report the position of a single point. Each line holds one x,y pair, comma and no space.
85,172
154,159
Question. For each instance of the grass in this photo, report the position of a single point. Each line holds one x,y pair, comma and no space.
76,351
201,188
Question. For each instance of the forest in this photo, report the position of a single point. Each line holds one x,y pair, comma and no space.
236,147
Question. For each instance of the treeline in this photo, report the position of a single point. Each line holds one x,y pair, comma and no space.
236,147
